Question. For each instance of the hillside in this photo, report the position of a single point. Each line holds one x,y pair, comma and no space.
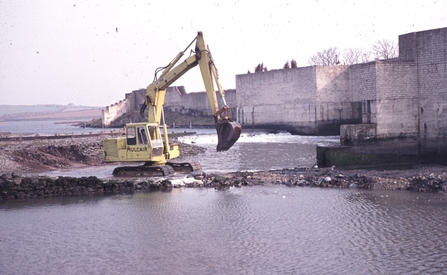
39,112
91,115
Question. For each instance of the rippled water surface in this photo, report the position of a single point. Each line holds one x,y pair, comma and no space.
249,230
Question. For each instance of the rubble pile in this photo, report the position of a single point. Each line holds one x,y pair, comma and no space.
13,186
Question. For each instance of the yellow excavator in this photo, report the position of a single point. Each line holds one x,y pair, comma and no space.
144,142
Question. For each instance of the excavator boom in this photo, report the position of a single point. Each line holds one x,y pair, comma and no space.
228,131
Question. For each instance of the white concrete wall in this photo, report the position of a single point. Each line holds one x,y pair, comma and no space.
308,100
279,97
397,99
114,111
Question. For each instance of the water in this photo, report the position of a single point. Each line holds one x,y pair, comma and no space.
44,127
257,150
250,230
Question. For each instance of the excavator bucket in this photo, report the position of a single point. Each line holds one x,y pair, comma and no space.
228,133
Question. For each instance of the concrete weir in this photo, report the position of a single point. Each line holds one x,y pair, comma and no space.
386,111
361,148
363,157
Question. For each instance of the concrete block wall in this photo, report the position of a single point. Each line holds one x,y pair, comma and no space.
431,62
335,99
310,100
363,81
397,99
403,97
333,84
432,71
282,99
363,87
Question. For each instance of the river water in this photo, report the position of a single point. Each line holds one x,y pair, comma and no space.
250,230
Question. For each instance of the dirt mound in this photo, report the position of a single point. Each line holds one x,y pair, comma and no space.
34,156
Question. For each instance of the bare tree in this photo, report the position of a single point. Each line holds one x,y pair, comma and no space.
351,56
366,57
355,56
287,65
385,49
326,57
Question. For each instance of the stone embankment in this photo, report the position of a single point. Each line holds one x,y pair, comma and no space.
30,187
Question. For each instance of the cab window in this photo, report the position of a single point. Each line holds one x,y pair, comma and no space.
131,137
142,135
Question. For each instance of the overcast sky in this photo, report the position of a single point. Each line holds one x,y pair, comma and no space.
93,52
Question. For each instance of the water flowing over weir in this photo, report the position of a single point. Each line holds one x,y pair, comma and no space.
258,150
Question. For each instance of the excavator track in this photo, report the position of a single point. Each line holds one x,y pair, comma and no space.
184,167
143,171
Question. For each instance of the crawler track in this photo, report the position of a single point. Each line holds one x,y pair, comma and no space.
185,167
143,171
156,171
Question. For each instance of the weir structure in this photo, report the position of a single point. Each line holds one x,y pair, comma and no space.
392,109
386,111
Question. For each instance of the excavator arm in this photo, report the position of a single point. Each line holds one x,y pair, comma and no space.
228,131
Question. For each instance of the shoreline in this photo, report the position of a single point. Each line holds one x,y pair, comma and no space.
421,180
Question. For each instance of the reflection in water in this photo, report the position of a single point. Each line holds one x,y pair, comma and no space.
255,230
